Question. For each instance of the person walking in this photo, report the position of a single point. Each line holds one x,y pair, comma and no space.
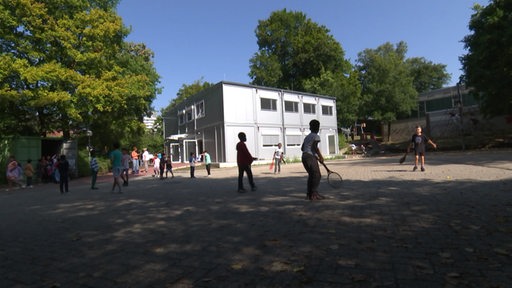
125,162
207,161
278,157
311,155
163,163
93,164
156,166
192,163
244,160
419,142
28,170
117,167
63,167
168,166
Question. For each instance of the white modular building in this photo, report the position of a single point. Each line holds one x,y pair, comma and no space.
211,120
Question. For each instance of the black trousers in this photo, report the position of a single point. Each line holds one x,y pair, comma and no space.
310,163
241,170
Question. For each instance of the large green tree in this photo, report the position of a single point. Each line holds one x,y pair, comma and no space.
488,64
387,84
427,75
346,89
64,66
292,49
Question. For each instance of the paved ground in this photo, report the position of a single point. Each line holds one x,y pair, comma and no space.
450,226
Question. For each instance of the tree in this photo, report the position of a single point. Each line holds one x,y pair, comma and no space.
65,67
426,75
186,91
387,84
488,64
293,49
346,89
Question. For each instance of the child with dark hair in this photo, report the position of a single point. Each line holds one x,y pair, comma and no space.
311,155
244,160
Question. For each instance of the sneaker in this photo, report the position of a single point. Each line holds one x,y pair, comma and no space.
415,168
241,191
422,169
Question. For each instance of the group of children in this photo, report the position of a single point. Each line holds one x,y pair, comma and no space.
15,173
161,164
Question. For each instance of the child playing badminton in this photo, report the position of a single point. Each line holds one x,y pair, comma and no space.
311,155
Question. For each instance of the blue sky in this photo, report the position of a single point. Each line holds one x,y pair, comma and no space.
214,40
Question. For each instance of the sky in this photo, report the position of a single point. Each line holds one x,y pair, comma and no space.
213,40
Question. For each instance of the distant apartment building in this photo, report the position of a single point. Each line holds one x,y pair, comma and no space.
149,122
212,119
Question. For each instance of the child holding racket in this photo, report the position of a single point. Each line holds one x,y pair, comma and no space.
419,142
311,155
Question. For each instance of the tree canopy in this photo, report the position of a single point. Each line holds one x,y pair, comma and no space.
64,66
387,84
293,49
488,64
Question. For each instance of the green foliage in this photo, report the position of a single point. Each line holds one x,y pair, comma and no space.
488,63
346,89
292,50
65,67
426,75
185,92
387,84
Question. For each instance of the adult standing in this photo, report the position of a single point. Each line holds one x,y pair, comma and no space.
63,168
135,161
145,159
207,161
244,160
311,155
117,166
419,142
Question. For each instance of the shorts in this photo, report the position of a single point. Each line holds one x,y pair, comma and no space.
116,171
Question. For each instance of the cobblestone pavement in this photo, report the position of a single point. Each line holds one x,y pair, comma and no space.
450,226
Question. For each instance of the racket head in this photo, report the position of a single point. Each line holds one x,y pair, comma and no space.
334,179
402,159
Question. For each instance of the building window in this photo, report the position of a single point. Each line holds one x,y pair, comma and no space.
181,118
268,104
189,114
200,109
270,140
293,141
327,110
309,108
291,106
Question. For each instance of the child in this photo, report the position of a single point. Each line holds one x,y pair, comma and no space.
192,161
419,143
125,161
310,157
207,161
244,160
168,166
163,162
94,170
156,166
28,170
278,157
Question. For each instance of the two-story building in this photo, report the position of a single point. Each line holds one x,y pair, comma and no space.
211,120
